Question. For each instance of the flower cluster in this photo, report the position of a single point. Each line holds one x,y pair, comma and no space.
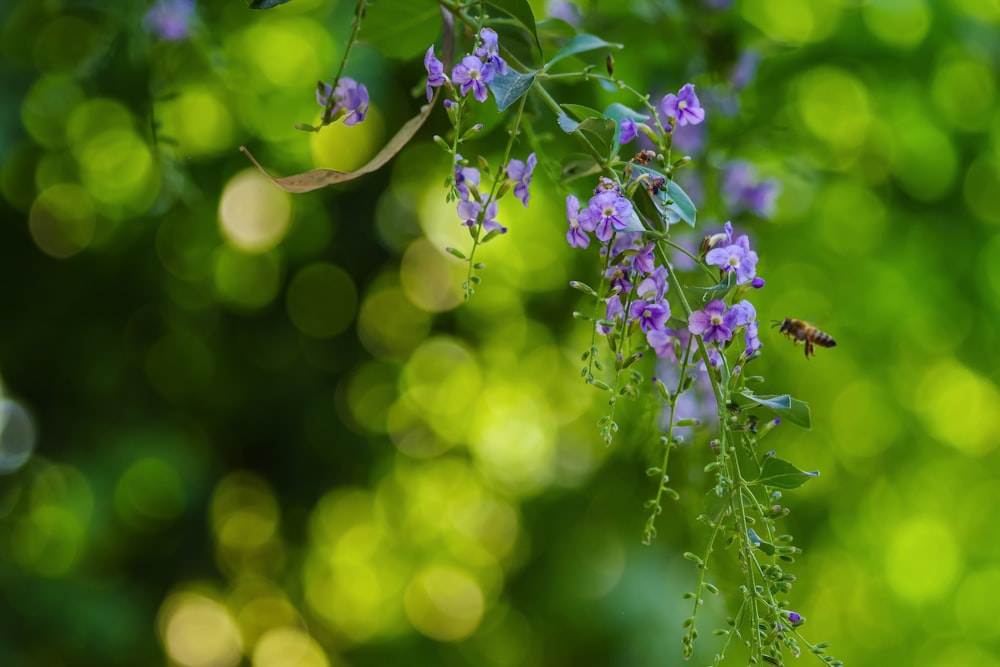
733,255
477,208
349,100
474,73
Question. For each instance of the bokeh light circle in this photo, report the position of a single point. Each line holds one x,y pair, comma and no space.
253,214
444,603
288,647
321,300
198,631
62,220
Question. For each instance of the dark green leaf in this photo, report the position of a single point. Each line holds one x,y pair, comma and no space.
401,28
580,44
266,4
582,113
601,129
520,11
783,475
509,89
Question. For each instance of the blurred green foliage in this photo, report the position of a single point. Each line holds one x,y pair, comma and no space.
244,428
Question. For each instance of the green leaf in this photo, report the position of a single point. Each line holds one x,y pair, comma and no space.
582,113
727,283
783,475
266,4
792,409
672,202
510,88
581,44
567,124
401,28
520,11
681,203
601,129
783,402
798,414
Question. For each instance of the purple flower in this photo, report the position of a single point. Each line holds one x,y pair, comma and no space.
468,211
576,236
736,257
349,98
605,211
794,617
521,172
751,339
619,276
746,315
465,178
684,106
567,11
644,261
489,51
743,192
757,282
654,285
662,341
651,314
613,312
472,74
170,20
713,323
628,131
435,72
489,219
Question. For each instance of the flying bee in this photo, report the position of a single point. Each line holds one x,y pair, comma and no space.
799,330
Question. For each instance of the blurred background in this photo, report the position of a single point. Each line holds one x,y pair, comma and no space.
240,427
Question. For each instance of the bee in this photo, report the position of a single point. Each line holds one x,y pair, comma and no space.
799,330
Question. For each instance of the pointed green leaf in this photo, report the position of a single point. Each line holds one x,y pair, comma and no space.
581,44
792,409
783,402
510,88
581,112
601,129
783,475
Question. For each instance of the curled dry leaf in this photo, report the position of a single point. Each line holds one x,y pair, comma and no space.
319,178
